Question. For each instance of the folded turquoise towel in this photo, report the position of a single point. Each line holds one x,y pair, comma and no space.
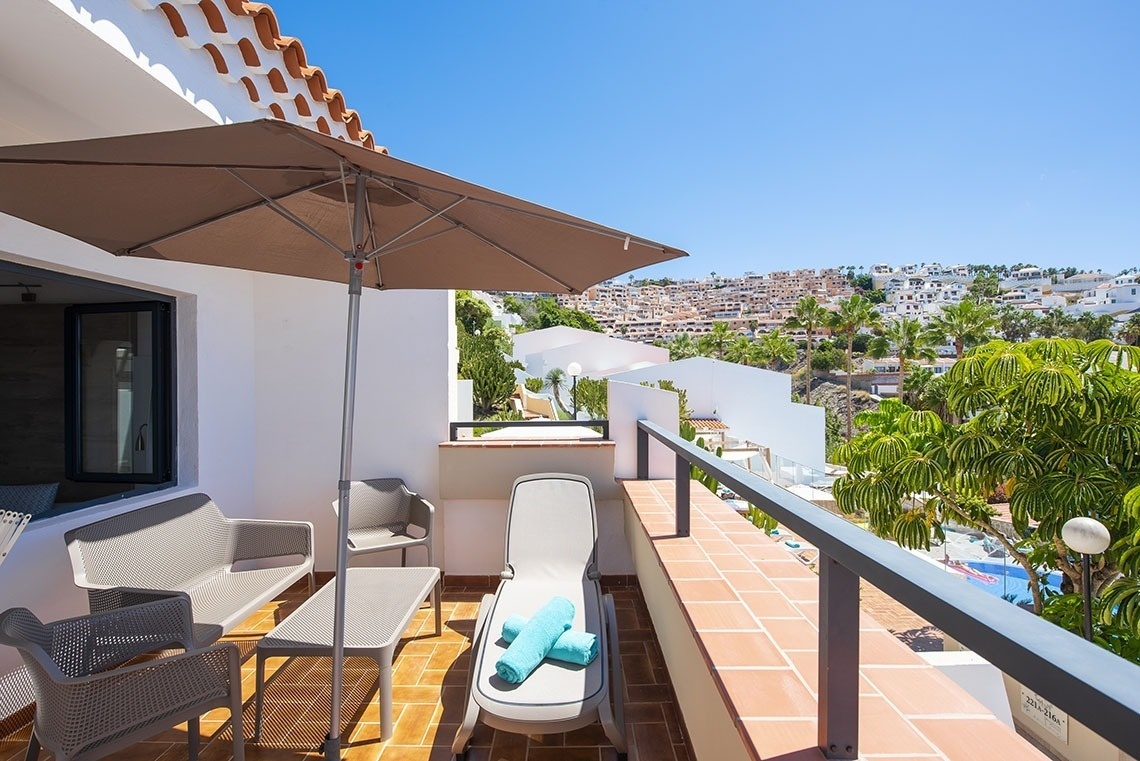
535,640
572,647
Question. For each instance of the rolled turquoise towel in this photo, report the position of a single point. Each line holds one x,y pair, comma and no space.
535,640
572,647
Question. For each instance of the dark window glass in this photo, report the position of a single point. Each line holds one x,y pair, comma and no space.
119,393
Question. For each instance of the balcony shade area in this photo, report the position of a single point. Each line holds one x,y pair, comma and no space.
428,680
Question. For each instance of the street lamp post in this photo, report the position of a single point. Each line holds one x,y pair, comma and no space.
1088,536
574,369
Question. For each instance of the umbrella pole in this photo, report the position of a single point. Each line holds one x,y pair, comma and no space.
355,277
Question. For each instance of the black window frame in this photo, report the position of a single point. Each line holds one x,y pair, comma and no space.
162,393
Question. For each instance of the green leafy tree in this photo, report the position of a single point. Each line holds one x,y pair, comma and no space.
533,385
1090,327
682,395
547,314
967,323
1054,424
809,316
492,376
854,314
984,286
1016,324
1054,323
593,396
471,312
827,357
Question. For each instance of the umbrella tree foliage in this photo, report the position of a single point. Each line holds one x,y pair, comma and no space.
1054,424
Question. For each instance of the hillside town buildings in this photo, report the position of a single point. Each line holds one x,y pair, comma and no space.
754,303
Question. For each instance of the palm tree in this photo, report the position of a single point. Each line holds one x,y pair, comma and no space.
555,380
1130,333
775,349
968,323
742,351
808,315
719,338
683,347
854,314
908,338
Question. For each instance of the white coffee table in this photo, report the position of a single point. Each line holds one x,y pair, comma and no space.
379,603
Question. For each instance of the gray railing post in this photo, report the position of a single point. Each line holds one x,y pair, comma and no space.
838,660
682,496
642,454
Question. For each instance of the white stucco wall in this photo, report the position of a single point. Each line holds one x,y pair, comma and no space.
755,404
629,402
260,358
599,355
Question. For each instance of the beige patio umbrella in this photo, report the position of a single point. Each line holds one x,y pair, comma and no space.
274,197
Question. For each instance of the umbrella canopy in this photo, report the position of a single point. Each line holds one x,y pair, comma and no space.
274,197
232,196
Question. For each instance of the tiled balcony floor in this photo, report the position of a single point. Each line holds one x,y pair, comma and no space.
428,685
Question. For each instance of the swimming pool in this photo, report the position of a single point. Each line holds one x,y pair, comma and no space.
1008,579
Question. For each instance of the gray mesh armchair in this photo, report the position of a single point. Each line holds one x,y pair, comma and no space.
86,708
384,515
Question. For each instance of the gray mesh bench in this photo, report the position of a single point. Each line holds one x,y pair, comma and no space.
227,568
379,603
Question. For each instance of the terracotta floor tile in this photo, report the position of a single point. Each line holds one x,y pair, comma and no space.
653,742
562,754
792,633
692,569
727,649
768,605
767,693
686,552
637,669
509,747
709,616
643,713
748,581
806,590
790,740
923,690
882,648
976,739
883,730
719,546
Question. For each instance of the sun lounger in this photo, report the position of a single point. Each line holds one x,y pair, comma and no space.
552,533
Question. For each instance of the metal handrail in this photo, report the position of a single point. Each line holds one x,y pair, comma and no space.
603,424
1093,685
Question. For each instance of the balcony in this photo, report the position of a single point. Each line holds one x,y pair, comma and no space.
720,629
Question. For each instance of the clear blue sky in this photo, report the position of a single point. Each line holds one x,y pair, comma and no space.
768,135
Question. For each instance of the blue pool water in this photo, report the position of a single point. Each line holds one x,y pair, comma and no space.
1010,579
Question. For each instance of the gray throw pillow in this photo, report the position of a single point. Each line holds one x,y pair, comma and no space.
28,498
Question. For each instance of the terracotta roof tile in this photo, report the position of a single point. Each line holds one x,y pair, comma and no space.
707,424
245,45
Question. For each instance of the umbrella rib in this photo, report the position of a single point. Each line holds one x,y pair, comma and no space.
478,236
380,249
274,206
226,215
377,254
584,226
516,257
